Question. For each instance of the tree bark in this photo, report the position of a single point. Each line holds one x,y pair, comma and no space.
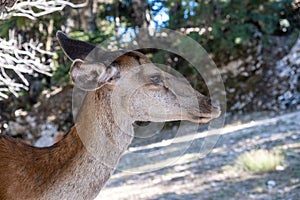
87,16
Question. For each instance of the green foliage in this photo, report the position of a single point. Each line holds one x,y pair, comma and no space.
231,25
227,29
60,75
259,161
88,36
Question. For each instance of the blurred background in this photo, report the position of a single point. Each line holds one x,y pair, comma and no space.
255,45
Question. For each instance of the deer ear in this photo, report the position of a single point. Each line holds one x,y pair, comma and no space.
90,76
74,49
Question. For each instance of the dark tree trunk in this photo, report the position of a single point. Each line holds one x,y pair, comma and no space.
142,18
87,17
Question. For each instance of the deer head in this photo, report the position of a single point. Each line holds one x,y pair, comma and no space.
122,87
136,87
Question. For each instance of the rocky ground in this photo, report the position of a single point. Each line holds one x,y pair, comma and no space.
215,176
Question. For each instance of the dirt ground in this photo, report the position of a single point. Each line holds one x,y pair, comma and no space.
158,170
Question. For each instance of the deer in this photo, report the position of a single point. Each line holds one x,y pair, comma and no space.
68,169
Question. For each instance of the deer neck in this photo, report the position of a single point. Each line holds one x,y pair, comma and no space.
103,142
102,135
77,167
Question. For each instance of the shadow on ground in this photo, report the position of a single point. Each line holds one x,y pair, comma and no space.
215,176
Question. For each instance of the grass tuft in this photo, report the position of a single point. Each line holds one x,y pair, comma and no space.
260,161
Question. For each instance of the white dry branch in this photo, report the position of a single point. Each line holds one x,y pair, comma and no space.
33,9
19,59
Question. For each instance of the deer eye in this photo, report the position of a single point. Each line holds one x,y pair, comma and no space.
156,79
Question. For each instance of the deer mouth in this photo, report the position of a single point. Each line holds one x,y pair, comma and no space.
201,119
206,117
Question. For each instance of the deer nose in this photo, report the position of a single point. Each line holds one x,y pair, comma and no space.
216,109
214,103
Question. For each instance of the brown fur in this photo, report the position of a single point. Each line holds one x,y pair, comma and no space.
24,168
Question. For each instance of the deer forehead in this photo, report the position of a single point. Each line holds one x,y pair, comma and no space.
125,61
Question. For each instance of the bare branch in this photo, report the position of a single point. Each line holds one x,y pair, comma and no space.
34,9
18,59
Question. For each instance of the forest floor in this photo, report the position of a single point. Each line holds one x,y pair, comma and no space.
215,176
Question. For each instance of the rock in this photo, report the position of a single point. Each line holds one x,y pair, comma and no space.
271,184
44,141
48,132
279,168
31,120
295,137
15,128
